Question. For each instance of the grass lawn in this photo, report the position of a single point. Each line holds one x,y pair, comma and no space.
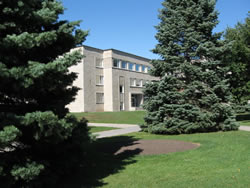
222,160
245,123
124,117
135,117
244,119
99,129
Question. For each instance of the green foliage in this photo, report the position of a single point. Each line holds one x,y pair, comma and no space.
39,141
238,60
28,172
192,94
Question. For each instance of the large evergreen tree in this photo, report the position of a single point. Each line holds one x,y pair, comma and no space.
39,142
238,60
192,94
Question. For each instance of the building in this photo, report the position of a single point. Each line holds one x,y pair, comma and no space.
109,80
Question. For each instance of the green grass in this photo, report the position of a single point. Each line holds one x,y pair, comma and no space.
243,119
99,129
222,160
245,123
124,117
135,117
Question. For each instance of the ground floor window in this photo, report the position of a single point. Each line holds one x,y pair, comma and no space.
136,100
99,98
121,106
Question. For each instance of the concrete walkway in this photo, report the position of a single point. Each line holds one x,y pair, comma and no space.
245,128
128,128
123,129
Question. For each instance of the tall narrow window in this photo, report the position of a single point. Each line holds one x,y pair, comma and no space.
99,98
143,68
121,93
121,106
99,80
133,100
116,63
121,89
131,66
98,62
124,64
138,68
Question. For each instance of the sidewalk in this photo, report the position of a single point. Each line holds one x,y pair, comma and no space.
123,129
111,125
245,128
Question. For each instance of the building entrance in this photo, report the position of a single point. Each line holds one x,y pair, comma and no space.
136,100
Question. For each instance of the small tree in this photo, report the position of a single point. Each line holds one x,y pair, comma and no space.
192,94
238,60
39,142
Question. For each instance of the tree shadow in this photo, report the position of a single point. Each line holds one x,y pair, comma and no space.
243,117
106,156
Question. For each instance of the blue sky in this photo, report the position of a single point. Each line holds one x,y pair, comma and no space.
128,25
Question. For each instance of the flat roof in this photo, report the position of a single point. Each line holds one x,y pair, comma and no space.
117,51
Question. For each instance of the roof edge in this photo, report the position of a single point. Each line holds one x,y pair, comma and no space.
129,54
118,51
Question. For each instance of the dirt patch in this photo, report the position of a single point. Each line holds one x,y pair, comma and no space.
153,147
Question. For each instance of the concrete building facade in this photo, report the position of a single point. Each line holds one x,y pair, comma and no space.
109,80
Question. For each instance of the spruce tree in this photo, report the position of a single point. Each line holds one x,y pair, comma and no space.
192,94
238,60
39,140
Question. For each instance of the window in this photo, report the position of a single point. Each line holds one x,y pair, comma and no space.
99,98
138,68
121,106
116,63
133,100
143,68
98,62
132,82
99,80
121,89
139,83
131,66
124,64
136,100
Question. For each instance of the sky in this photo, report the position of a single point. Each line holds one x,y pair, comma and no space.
128,25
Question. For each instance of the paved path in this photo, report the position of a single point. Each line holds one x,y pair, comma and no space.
127,128
245,128
111,125
123,129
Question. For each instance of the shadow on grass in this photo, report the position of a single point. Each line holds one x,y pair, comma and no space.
242,117
102,162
